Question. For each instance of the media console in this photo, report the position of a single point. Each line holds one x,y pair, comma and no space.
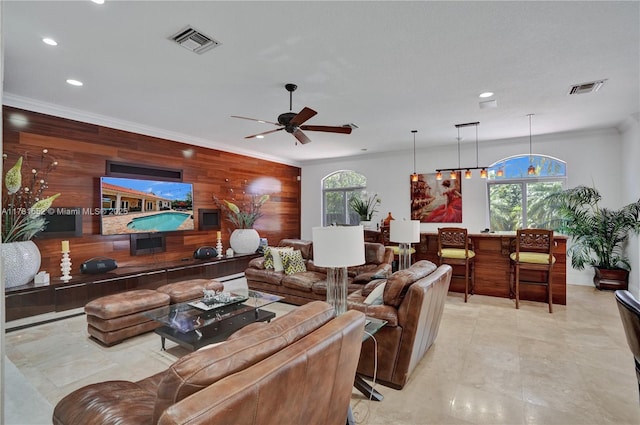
33,299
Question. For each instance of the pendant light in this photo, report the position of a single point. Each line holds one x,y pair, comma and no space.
531,170
483,170
453,175
414,176
453,172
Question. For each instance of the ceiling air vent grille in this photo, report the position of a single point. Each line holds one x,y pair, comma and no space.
590,87
194,40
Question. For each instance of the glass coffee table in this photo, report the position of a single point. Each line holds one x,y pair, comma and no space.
194,324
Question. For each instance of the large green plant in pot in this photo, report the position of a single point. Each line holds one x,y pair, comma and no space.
598,234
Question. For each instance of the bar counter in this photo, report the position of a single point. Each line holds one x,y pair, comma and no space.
492,266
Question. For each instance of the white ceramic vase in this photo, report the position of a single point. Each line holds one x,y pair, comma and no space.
21,262
367,224
244,241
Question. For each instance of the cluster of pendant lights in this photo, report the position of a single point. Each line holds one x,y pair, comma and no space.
453,172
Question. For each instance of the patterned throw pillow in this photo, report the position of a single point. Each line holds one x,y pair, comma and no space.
293,262
268,258
272,258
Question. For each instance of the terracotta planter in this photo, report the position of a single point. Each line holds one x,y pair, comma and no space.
611,279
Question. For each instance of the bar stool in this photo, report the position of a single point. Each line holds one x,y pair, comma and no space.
455,248
533,252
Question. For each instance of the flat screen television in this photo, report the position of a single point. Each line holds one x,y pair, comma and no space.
131,206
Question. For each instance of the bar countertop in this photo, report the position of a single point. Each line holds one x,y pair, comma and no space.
493,265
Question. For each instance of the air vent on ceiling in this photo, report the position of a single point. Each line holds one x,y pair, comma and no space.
590,87
194,40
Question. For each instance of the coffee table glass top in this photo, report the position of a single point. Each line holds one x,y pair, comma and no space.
191,315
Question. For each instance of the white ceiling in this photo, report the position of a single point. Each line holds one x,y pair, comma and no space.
388,67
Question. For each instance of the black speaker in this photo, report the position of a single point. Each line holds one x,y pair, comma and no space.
205,252
98,265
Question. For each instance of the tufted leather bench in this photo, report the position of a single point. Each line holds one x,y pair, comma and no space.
188,290
113,318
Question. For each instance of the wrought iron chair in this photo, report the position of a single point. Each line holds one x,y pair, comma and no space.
533,252
455,248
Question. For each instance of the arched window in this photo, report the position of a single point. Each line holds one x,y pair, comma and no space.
516,198
337,189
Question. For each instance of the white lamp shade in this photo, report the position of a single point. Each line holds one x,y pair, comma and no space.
403,231
338,246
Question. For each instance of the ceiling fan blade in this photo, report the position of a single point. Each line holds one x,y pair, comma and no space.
253,119
302,138
328,129
264,132
302,116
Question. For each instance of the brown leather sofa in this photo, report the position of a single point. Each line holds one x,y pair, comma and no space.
302,287
412,304
297,369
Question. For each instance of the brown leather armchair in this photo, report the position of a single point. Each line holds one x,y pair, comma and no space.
412,304
629,308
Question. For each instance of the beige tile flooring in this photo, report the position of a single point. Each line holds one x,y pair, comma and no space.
491,364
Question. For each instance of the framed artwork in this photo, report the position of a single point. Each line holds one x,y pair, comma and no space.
436,201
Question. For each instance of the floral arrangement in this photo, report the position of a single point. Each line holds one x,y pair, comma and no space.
365,208
243,212
24,204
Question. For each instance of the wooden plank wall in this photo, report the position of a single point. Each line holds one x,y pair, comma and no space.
82,150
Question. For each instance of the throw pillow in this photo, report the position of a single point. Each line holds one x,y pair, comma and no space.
293,262
268,258
375,297
272,259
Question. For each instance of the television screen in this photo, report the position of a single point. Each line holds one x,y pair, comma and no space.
145,206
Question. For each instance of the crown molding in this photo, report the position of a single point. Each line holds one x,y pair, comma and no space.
105,121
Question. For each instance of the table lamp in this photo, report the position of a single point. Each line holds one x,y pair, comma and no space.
405,233
338,247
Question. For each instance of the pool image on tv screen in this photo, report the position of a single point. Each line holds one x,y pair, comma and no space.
145,206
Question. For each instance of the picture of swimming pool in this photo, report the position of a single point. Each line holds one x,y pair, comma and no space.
163,222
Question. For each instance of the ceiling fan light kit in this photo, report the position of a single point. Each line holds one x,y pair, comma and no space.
293,123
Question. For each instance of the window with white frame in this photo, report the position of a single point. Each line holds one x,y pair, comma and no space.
517,196
337,189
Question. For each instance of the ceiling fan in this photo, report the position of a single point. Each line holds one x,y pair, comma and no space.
293,123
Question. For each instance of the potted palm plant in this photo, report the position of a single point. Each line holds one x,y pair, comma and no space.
598,234
364,207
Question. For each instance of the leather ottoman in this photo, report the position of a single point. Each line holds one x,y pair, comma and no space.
189,290
114,318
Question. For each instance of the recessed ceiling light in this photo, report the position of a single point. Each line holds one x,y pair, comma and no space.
98,1
49,41
486,94
260,137
74,82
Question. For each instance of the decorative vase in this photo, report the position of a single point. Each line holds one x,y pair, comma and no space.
21,262
387,221
244,241
367,224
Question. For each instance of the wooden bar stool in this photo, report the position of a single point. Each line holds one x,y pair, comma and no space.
534,252
455,248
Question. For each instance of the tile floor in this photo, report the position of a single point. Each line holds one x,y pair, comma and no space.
491,364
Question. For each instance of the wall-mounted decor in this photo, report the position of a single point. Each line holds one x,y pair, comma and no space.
209,219
436,201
